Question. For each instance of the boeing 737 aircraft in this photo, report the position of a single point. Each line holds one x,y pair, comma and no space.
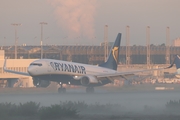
63,72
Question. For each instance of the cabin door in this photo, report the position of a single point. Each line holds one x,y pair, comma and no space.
49,67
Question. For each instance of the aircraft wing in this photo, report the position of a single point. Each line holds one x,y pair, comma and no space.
124,74
15,72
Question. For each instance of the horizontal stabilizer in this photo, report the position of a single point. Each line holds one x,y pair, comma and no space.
11,71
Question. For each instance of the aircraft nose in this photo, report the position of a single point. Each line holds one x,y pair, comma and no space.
31,70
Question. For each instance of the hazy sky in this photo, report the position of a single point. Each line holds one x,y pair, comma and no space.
82,21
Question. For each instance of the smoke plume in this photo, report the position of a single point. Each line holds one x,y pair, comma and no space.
75,16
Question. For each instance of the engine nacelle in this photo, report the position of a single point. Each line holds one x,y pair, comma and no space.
88,80
41,83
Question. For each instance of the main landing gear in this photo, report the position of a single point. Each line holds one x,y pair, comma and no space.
61,89
89,90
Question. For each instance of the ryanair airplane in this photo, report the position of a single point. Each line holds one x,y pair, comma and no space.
63,72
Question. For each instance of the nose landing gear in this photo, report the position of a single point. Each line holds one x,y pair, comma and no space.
61,89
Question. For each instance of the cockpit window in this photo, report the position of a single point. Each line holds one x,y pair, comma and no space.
36,64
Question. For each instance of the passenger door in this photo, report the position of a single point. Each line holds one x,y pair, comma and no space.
49,67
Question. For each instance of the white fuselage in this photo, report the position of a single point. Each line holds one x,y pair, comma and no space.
55,67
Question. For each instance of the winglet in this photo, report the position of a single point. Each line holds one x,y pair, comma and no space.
171,65
176,62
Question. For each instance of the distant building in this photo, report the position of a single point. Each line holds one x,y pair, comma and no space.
176,42
109,43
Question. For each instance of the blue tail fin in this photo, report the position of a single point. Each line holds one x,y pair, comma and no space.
113,58
176,62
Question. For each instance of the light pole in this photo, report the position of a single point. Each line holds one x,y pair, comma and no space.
42,23
167,45
105,42
127,46
148,46
15,45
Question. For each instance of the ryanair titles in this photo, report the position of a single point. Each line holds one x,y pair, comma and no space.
68,67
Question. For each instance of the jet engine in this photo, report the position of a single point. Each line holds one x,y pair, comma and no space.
41,83
88,80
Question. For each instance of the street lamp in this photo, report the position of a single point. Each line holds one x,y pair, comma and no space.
15,46
148,46
127,46
42,23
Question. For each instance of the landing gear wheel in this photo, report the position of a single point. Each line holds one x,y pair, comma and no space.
89,90
61,90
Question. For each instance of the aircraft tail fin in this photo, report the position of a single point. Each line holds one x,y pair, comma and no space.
113,59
